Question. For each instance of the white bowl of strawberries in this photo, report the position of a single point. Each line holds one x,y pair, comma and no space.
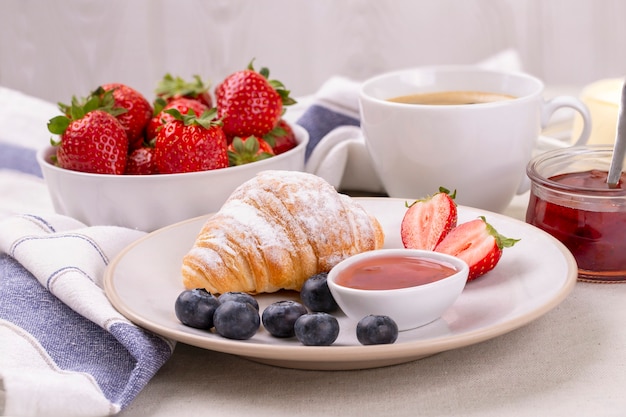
188,157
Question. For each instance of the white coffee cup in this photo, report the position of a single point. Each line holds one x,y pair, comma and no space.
480,150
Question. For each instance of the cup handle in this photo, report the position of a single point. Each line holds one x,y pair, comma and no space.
552,105
548,109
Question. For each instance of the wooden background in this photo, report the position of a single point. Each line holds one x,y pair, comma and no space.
54,49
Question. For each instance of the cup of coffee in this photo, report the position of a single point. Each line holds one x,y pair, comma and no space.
461,127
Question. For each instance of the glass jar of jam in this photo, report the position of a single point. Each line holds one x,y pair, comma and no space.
571,200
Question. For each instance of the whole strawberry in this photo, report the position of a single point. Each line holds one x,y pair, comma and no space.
429,220
190,143
171,88
281,138
138,114
95,142
183,105
141,161
478,244
249,104
245,150
91,138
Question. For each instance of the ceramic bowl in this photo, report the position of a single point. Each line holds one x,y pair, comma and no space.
409,307
149,202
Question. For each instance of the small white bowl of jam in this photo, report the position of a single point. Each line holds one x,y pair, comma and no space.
413,287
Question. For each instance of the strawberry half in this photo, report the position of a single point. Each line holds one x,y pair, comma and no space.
190,143
428,221
249,103
477,243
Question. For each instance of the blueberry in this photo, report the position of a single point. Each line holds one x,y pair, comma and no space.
195,308
376,330
316,329
279,318
316,296
239,296
236,320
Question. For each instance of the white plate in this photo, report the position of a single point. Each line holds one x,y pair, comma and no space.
532,277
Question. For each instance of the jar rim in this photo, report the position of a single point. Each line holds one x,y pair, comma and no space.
571,154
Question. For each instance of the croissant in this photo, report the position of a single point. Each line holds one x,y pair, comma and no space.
274,232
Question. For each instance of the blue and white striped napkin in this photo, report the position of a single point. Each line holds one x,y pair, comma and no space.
65,350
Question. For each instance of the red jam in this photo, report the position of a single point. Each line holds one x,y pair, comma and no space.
594,232
394,273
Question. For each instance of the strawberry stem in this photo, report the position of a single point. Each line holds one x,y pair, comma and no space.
99,99
277,85
442,190
206,119
171,86
501,240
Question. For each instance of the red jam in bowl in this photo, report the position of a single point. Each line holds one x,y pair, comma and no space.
394,273
591,225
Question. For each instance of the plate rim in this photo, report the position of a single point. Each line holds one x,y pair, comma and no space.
296,356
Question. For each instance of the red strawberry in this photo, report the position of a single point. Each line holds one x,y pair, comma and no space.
138,114
429,220
281,138
190,143
249,104
171,88
183,105
246,150
141,161
91,138
94,142
477,243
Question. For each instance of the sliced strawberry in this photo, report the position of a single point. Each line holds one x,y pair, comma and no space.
281,138
428,221
246,150
477,243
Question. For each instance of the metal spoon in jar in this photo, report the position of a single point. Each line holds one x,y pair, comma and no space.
619,148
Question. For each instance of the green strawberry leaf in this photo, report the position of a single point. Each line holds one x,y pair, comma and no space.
270,137
97,100
171,86
158,105
58,124
206,119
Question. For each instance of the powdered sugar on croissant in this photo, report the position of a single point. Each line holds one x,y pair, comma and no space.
274,232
